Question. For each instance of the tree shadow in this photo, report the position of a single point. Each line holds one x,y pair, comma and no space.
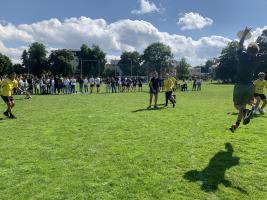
214,173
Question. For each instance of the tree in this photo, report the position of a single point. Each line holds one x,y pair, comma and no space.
37,58
93,60
109,72
19,69
130,63
60,62
262,41
228,62
5,65
208,65
157,56
183,69
25,59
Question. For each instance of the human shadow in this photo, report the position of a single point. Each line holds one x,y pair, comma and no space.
149,109
214,173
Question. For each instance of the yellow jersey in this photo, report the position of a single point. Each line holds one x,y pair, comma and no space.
174,80
7,87
259,86
168,85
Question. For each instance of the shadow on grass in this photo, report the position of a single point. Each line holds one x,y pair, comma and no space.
214,173
161,107
257,116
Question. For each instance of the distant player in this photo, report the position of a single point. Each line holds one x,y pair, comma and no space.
249,60
260,84
98,83
154,89
8,85
168,87
92,84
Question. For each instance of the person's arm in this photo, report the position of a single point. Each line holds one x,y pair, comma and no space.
241,42
262,57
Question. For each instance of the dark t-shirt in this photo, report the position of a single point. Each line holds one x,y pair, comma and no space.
246,66
155,82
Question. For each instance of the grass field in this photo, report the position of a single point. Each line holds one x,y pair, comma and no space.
110,147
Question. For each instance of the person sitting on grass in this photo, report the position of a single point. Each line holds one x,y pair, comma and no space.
8,85
168,87
249,60
260,84
154,89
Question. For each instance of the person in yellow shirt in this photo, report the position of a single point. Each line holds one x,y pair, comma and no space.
174,80
7,87
168,87
259,95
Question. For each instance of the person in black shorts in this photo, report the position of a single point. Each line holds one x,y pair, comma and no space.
248,61
154,89
260,85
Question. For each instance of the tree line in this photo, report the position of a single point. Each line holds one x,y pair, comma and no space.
92,61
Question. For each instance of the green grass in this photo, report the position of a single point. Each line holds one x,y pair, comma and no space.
110,147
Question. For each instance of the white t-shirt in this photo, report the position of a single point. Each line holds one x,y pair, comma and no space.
21,83
73,81
52,82
67,82
97,81
85,81
92,81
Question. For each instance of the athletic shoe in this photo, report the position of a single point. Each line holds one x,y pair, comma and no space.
247,116
156,107
6,114
149,107
261,111
174,105
11,116
233,128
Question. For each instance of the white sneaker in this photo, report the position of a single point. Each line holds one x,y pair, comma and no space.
261,111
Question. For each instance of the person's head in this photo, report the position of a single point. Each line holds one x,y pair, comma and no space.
261,75
12,76
155,74
253,49
229,147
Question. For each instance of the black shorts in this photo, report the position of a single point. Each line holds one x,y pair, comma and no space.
92,85
98,86
7,99
262,96
154,91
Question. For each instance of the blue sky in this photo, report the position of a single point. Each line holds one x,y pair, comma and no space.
226,17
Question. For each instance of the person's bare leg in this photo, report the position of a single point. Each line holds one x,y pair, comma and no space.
258,100
156,100
150,100
264,103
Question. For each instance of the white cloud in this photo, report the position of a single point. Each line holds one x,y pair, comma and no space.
145,7
113,38
191,21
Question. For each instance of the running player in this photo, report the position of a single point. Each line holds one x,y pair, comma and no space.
260,84
244,88
168,86
8,85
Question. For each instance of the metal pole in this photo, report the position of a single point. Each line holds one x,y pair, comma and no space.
81,67
28,66
131,68
98,67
